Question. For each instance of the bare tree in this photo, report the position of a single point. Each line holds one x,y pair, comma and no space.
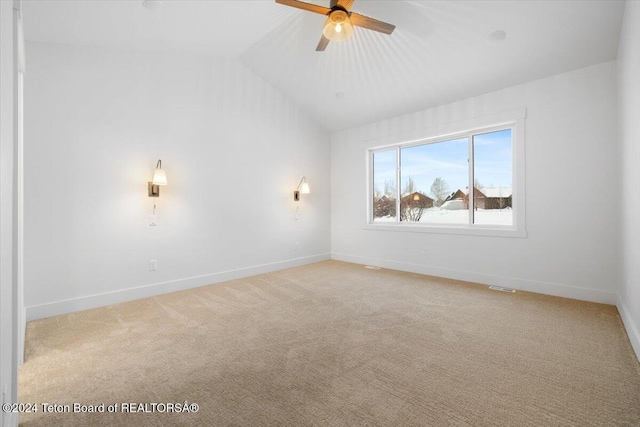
384,204
439,190
413,203
409,186
376,193
412,207
390,189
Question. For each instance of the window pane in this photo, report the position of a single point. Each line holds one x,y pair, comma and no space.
493,176
434,179
384,186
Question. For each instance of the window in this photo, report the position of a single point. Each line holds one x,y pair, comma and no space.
425,184
492,178
429,173
384,186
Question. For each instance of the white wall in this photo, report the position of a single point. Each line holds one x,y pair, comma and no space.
629,113
8,301
572,199
234,149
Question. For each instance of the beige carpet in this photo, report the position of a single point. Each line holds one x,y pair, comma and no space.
339,345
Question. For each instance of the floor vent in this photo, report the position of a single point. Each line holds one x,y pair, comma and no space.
371,267
500,288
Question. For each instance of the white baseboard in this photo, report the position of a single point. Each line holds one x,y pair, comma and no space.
100,300
546,288
632,329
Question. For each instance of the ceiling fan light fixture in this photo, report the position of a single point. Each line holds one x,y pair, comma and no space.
338,26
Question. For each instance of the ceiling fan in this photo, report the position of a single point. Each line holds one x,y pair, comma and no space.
340,22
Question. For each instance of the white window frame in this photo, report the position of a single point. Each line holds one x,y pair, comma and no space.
509,120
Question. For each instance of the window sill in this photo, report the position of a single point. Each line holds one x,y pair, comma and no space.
466,230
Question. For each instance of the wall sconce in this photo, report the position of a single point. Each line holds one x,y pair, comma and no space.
303,188
159,178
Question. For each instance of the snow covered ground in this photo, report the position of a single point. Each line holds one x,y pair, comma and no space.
444,216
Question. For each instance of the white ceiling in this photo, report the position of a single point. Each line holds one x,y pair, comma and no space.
439,52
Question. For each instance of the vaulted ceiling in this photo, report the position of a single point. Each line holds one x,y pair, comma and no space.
441,51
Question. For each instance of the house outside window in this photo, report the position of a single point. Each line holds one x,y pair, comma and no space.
423,185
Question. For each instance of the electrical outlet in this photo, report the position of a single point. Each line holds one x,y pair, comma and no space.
295,246
153,265
425,251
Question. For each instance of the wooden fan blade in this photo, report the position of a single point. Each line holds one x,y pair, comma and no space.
371,24
323,44
345,3
306,6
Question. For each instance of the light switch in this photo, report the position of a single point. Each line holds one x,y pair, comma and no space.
152,220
